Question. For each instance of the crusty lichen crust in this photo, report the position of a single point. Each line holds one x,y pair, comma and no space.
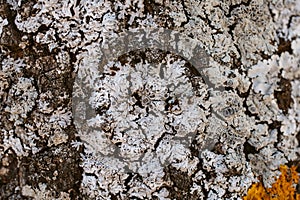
242,132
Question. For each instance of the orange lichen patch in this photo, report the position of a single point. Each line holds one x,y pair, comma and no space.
282,189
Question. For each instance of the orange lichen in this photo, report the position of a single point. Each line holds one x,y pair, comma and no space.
282,189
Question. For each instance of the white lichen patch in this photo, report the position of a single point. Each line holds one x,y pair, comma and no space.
3,22
141,110
27,112
152,124
42,192
21,100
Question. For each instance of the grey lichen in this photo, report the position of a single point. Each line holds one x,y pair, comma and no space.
242,107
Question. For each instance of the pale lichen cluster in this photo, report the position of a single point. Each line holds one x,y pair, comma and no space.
243,128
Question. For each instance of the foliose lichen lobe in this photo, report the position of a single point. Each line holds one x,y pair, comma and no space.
244,120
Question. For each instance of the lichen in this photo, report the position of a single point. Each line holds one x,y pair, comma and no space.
283,188
181,127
